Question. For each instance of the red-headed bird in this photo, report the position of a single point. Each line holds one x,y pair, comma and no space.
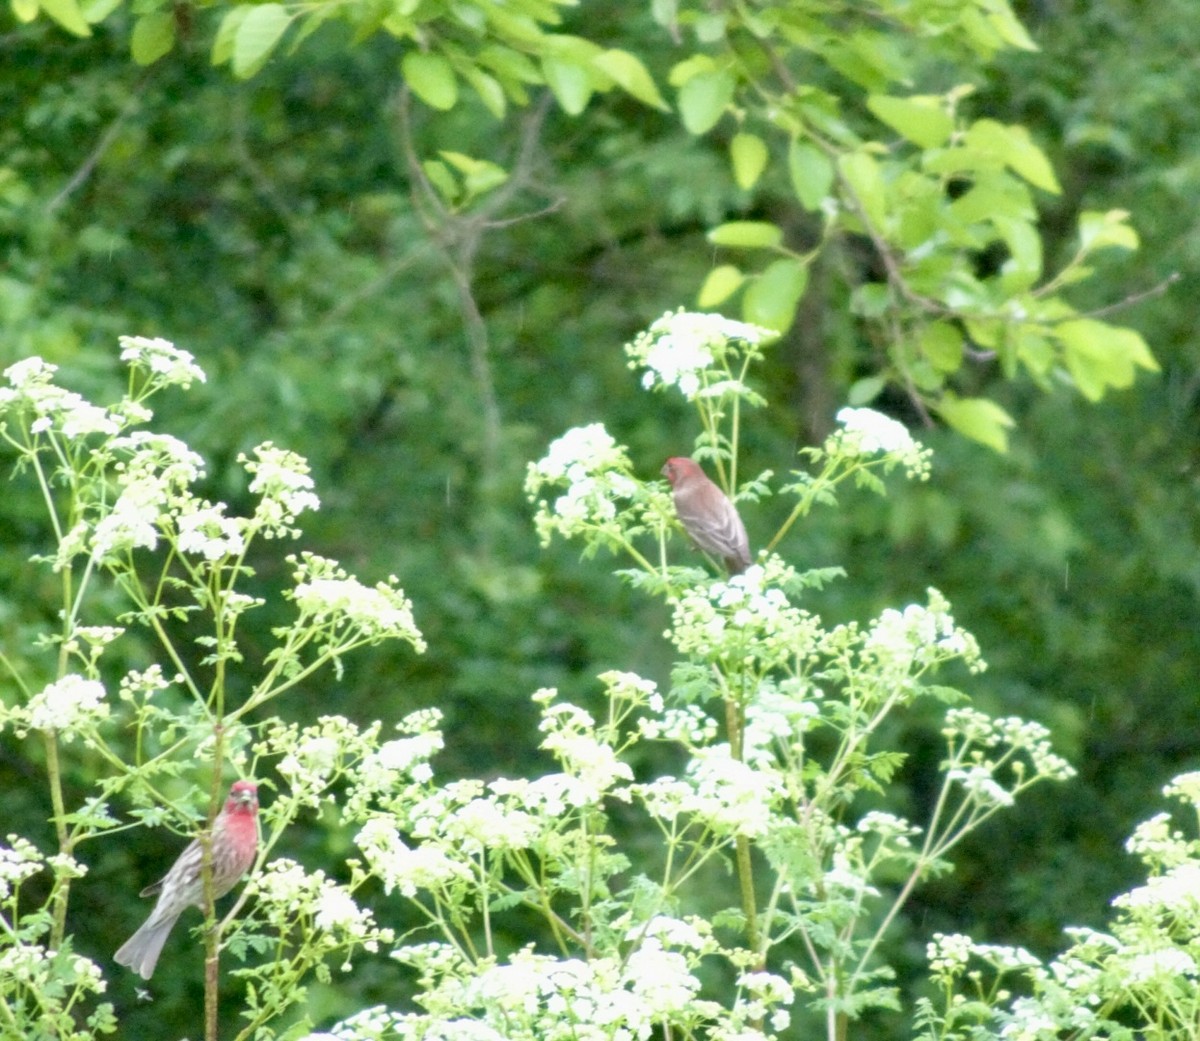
234,846
707,515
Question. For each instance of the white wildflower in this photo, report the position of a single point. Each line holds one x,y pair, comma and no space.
67,704
688,351
867,432
281,480
172,365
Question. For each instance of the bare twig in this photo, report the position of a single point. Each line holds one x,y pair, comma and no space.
459,238
80,176
1135,298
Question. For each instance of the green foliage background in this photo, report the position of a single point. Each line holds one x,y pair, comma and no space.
274,228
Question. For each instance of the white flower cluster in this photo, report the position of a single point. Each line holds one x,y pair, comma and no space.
54,410
153,472
590,764
140,685
169,364
1173,895
313,757
66,705
865,432
425,867
291,898
746,620
597,474
726,795
327,595
902,644
285,489
203,530
653,991
389,775
691,351
1018,735
19,860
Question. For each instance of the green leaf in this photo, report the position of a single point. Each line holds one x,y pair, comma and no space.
153,36
811,173
704,98
862,173
977,418
68,15
1024,266
1099,355
490,92
682,71
746,234
942,344
865,390
431,78
772,297
94,11
722,282
1001,18
1100,230
25,11
442,179
749,155
222,49
1013,146
570,84
256,37
920,119
479,175
628,72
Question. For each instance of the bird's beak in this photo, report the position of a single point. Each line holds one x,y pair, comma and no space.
247,798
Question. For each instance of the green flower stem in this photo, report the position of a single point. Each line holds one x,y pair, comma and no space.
62,879
212,928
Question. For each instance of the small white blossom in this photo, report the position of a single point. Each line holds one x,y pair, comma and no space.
597,474
908,642
1176,893
54,409
979,781
133,522
689,351
404,868
161,456
1167,964
746,620
67,704
204,530
324,593
732,797
281,480
1185,787
948,953
286,895
19,860
172,365
30,372
142,684
867,432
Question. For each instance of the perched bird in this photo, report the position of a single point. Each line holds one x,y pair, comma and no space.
707,515
234,846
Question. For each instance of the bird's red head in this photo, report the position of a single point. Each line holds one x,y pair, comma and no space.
243,797
677,468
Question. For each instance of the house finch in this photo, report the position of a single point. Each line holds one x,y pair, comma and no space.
234,845
707,515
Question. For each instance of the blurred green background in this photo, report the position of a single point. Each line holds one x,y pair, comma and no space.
269,228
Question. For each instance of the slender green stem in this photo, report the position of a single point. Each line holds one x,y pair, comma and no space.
735,724
62,880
